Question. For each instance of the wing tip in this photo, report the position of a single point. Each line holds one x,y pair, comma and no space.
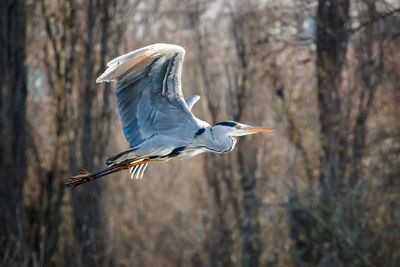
190,101
100,79
105,76
154,51
122,58
159,49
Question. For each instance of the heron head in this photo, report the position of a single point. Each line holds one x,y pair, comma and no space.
233,128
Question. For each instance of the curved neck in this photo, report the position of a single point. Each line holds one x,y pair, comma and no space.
218,140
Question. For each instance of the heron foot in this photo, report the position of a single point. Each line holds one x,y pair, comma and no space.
82,177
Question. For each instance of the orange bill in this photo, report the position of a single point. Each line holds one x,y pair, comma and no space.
258,129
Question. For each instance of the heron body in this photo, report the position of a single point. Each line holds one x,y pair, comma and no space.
157,121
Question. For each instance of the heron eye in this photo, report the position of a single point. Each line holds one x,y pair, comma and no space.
237,126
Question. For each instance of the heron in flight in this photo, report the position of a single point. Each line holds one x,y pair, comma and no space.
157,121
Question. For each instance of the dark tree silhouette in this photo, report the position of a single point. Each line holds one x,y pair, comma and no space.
13,82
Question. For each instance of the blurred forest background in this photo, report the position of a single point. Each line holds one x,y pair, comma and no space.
324,190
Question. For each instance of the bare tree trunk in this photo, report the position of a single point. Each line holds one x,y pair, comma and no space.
219,241
371,67
59,65
13,82
309,237
332,34
90,221
249,225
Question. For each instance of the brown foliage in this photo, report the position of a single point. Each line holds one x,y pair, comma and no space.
323,190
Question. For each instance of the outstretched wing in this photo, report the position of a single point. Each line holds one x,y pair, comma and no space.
149,94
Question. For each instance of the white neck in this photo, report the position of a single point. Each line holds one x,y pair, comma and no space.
217,139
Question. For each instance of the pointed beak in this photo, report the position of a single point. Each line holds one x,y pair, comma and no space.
250,129
246,129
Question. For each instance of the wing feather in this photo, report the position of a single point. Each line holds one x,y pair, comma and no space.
149,93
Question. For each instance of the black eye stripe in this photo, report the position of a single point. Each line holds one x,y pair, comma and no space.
227,123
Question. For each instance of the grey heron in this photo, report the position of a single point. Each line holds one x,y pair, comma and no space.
156,120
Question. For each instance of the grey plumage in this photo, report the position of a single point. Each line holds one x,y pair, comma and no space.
157,121
149,95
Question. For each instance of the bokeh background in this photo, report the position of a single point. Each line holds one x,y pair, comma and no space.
323,190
